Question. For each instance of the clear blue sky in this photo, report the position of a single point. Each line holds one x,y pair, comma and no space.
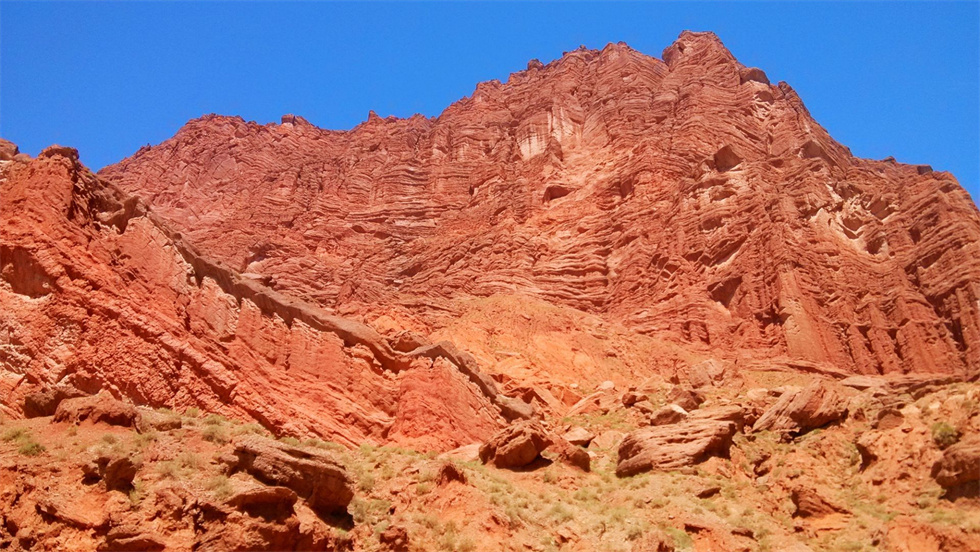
885,78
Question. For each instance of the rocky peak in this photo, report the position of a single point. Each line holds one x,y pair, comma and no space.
690,198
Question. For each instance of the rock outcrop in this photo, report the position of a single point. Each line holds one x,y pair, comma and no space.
312,474
959,465
814,406
673,446
516,446
101,408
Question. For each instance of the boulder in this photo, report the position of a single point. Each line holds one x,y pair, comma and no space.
607,439
673,446
865,445
394,538
514,409
632,397
45,402
586,405
735,414
670,414
55,150
312,473
810,502
796,412
708,492
579,436
101,408
570,454
644,408
685,397
959,464
448,472
515,446
465,453
115,471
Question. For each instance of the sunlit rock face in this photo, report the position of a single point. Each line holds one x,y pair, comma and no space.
99,294
684,197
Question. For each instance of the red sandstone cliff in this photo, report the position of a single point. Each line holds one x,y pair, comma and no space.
687,198
99,293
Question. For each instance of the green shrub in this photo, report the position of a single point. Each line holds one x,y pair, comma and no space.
944,434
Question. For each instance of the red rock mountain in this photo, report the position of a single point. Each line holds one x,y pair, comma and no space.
638,215
686,198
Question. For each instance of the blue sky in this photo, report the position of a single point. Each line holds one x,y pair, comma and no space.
885,78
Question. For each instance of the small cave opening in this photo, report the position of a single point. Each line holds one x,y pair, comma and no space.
554,192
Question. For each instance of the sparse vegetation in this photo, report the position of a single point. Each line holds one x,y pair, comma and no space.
220,486
137,493
30,448
215,434
944,435
26,444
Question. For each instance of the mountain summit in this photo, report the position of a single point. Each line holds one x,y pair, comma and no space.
686,197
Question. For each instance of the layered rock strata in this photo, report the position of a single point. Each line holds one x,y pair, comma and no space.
687,197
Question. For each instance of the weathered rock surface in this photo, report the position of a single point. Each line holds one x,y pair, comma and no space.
579,436
515,446
959,465
685,196
115,471
570,454
673,446
814,406
46,401
669,414
685,397
97,293
312,474
734,414
811,502
101,408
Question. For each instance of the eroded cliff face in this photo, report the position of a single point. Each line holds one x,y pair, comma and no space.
101,294
687,199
